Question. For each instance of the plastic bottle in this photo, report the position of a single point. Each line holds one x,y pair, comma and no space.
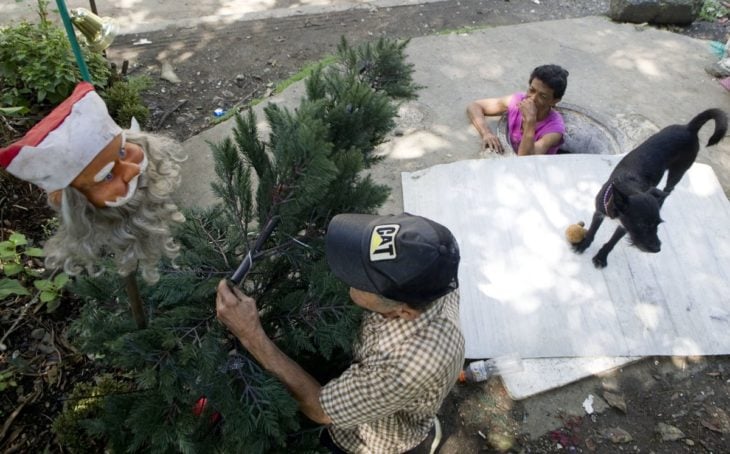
481,370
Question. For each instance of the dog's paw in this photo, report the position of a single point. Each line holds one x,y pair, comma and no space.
600,261
578,248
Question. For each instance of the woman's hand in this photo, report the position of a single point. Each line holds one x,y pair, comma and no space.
528,109
490,142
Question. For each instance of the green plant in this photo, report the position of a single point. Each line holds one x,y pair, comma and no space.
8,130
11,252
86,401
51,290
124,100
381,65
312,167
37,66
712,10
16,265
7,379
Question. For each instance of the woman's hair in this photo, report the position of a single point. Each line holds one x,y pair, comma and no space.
553,76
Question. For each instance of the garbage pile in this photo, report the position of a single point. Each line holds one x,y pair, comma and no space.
721,68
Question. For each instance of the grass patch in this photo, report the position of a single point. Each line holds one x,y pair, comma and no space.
303,73
461,30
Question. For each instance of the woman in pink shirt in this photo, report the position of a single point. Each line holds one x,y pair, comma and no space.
534,126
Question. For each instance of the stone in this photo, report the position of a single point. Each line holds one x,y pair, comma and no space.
677,12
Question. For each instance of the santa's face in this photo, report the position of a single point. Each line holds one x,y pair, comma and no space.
110,179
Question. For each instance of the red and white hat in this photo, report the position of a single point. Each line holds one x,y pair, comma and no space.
55,151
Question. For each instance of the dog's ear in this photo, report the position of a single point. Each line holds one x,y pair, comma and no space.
618,202
659,195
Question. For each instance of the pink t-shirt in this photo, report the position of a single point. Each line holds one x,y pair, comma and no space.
553,123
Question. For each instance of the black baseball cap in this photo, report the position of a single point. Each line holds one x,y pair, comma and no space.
402,257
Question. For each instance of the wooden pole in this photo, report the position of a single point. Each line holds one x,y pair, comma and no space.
135,301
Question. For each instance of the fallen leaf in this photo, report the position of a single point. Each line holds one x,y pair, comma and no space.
717,419
168,73
590,444
615,400
669,432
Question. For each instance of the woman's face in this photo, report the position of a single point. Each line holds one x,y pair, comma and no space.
542,96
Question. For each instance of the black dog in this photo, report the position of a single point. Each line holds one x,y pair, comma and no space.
630,194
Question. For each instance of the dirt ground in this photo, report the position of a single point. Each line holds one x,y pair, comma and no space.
229,66
659,405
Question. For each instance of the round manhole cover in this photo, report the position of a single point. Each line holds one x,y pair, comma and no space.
585,132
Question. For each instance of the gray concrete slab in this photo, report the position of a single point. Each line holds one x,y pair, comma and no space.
631,75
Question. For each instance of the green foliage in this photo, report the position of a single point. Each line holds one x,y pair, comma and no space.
124,100
51,290
10,111
713,10
382,66
19,271
8,379
37,66
308,170
85,402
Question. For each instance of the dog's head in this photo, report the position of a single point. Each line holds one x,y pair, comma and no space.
638,213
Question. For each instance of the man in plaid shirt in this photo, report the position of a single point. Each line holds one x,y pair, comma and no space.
409,352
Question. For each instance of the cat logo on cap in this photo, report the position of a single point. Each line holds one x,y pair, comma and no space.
382,242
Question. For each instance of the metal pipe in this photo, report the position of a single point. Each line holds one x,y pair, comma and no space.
72,39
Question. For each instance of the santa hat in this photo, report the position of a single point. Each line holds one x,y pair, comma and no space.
62,144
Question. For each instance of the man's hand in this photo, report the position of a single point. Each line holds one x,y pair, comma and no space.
490,142
528,111
238,313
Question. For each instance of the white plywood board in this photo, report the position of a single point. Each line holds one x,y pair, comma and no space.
542,374
523,289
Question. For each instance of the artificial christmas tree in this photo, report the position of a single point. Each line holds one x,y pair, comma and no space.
195,390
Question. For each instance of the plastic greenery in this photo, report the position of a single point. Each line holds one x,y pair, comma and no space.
308,170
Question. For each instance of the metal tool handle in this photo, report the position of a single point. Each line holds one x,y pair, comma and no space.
247,262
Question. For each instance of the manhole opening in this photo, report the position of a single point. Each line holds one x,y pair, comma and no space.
585,132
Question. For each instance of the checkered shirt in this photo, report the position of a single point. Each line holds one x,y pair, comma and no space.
386,400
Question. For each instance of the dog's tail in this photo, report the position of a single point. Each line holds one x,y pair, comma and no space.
720,118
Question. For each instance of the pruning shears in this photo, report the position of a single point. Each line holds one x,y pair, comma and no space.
254,253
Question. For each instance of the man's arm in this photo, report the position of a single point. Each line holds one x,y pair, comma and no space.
478,111
239,314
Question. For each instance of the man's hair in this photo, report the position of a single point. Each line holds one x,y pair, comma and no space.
421,306
553,76
134,234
